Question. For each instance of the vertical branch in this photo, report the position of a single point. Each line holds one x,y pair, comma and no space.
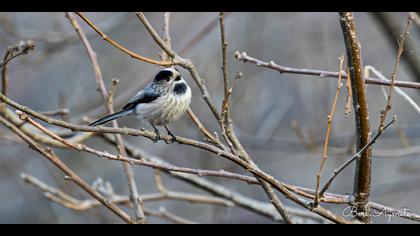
227,127
166,35
327,137
224,51
363,165
139,214
388,106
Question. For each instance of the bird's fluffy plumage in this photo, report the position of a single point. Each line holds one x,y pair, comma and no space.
164,100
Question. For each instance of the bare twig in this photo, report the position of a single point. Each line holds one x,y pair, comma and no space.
349,95
111,93
388,106
361,113
353,158
166,34
139,215
58,112
24,47
327,137
242,56
121,48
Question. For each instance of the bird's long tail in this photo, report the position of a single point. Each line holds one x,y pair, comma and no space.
112,117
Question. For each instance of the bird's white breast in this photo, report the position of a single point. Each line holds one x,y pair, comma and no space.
165,109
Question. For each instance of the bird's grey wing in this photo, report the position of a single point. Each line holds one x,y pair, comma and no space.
144,96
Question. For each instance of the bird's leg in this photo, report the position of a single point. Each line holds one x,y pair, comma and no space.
170,134
157,133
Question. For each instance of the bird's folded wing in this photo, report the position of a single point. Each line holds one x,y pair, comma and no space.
144,96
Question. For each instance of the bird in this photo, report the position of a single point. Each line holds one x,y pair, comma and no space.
160,102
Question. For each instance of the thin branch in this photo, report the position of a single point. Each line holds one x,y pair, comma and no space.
139,215
166,34
242,56
201,127
349,95
58,112
327,137
24,47
121,48
388,106
356,156
224,52
112,90
155,35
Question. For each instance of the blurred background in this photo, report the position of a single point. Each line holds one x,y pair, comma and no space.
269,109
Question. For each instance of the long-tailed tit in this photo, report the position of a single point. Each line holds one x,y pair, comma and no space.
162,101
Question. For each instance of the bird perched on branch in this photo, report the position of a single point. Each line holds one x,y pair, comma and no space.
162,101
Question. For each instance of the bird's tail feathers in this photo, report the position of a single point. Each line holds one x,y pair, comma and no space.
112,117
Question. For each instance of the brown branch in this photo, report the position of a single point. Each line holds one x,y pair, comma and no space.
242,56
58,112
361,112
224,52
166,34
121,48
24,47
327,137
349,95
356,156
139,215
48,153
388,106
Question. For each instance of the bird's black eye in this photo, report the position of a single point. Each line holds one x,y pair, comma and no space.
178,78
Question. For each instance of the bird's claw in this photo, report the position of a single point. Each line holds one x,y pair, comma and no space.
157,137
